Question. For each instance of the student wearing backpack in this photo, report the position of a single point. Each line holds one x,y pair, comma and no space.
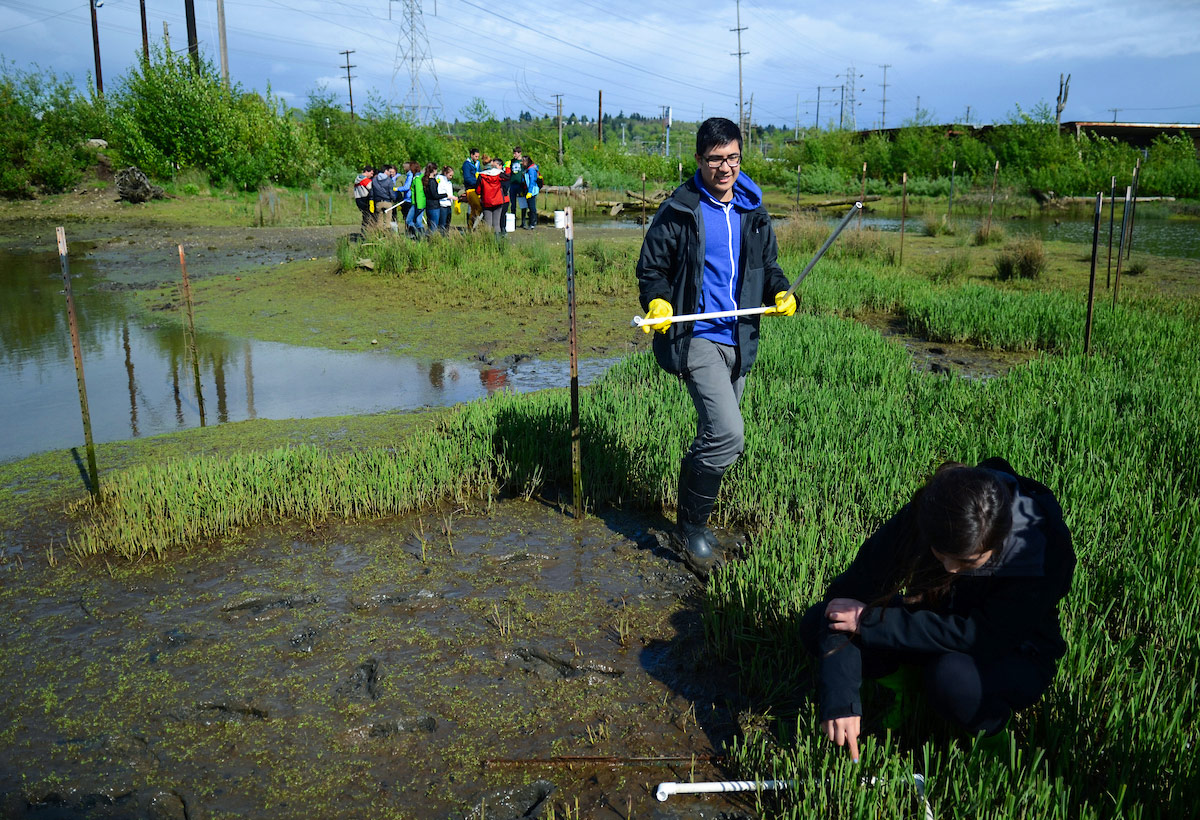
515,168
362,196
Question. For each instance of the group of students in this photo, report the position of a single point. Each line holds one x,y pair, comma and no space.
496,188
953,601
426,197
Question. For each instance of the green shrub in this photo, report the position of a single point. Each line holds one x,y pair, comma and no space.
951,268
937,225
1021,259
42,121
988,234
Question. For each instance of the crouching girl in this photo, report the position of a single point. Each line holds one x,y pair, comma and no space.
959,591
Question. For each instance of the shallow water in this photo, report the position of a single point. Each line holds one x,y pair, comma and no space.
140,379
409,667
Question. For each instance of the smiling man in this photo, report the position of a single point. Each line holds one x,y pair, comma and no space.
710,248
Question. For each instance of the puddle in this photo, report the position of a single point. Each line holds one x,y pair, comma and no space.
140,381
409,666
946,358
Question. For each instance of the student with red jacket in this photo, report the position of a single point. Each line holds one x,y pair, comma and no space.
491,194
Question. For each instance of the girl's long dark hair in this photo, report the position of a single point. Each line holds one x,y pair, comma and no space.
961,512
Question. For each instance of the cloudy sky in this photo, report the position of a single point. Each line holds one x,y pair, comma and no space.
955,59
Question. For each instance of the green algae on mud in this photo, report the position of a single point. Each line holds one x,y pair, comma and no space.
364,669
429,315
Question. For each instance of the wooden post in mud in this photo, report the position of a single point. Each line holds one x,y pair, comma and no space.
331,210
862,195
987,233
190,334
576,453
1121,245
93,471
1087,330
903,212
1112,211
950,206
643,206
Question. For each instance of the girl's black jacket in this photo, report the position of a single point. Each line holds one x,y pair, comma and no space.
1009,605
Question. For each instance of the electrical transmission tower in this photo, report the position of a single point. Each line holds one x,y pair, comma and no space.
423,100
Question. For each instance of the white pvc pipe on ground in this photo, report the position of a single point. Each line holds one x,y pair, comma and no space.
665,790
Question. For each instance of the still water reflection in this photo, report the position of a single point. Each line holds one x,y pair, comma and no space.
140,379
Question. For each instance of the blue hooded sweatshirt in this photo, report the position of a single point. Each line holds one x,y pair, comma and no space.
722,256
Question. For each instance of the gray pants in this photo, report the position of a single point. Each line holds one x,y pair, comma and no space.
493,217
716,390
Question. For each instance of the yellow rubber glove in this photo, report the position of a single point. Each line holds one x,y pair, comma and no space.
371,206
457,207
785,305
659,309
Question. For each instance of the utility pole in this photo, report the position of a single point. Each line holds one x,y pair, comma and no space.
968,122
1115,112
221,40
739,54
189,10
883,110
600,116
666,118
749,120
819,89
96,49
558,100
917,113
350,87
145,36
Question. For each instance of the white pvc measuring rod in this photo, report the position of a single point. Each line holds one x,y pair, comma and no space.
665,790
639,321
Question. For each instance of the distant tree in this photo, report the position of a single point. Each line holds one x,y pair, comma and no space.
477,111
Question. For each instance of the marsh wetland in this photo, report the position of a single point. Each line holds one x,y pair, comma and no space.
393,615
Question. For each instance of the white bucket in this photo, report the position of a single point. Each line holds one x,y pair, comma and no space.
510,222
560,219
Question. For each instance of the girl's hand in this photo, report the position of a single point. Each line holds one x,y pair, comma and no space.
843,614
844,730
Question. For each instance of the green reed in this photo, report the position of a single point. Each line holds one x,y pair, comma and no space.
478,267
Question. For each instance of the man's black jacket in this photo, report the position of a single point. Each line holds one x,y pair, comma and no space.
671,267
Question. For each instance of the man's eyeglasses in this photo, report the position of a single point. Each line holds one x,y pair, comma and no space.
716,162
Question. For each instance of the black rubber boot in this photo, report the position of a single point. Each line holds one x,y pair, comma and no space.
691,538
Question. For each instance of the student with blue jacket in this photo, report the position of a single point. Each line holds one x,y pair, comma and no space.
710,248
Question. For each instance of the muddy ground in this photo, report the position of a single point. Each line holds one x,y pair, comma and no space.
412,667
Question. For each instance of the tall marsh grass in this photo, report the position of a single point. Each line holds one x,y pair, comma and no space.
477,267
